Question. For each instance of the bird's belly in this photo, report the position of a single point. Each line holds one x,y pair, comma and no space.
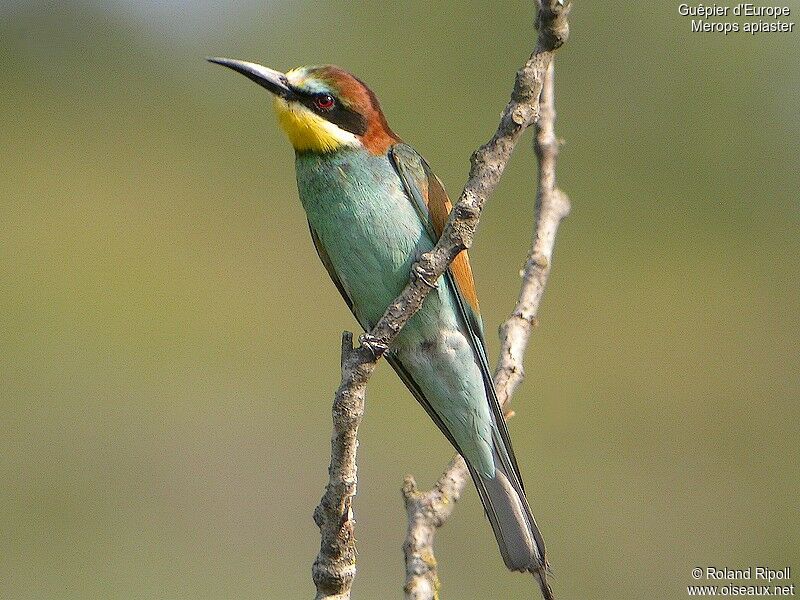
442,364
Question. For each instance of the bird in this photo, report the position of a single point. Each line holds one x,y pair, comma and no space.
374,206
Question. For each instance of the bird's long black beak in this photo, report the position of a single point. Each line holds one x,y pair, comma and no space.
274,81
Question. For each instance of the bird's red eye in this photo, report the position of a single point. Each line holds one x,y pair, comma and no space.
324,101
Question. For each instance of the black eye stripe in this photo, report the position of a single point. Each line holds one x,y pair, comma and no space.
340,115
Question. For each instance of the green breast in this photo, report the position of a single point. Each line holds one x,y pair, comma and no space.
356,204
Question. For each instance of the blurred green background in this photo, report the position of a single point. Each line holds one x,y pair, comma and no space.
169,344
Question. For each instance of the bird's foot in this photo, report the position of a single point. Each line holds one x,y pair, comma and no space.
424,275
375,345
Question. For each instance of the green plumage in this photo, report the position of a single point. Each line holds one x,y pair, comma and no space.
373,207
371,233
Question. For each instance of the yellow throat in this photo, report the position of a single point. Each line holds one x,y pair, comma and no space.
308,131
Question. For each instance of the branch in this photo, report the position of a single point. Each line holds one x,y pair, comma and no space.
334,568
428,511
552,205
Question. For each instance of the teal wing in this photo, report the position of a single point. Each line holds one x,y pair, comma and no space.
391,358
502,495
431,203
326,262
433,206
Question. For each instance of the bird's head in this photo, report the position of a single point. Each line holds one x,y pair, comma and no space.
322,109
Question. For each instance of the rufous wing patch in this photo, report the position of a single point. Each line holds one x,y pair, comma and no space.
439,207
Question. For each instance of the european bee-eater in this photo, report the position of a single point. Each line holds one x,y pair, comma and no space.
373,206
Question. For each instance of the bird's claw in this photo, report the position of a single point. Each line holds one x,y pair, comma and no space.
373,344
424,275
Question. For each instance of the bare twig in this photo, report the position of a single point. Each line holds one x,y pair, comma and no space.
552,205
427,511
334,567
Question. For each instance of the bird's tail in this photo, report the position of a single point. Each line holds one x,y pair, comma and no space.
541,579
506,506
